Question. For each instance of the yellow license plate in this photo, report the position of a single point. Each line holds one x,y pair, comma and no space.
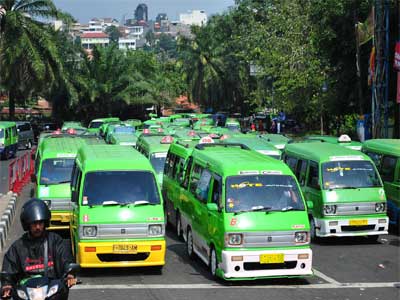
278,258
358,222
125,248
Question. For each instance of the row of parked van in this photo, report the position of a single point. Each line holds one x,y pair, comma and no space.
245,214
14,135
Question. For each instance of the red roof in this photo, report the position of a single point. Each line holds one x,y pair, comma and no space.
94,35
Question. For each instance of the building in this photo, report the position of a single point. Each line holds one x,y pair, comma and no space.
127,43
91,39
195,17
161,17
141,13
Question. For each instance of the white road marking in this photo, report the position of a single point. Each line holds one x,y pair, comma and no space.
219,286
325,277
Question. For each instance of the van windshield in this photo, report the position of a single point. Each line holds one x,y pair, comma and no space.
1,133
349,174
95,124
120,187
124,130
262,192
56,171
157,160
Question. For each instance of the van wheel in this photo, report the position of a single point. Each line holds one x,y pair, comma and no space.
213,263
189,244
313,230
178,225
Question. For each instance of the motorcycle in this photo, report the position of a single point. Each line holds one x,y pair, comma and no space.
39,287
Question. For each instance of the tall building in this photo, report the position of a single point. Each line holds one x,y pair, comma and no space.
195,17
141,13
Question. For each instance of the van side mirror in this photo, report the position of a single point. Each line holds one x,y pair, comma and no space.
212,207
33,178
310,204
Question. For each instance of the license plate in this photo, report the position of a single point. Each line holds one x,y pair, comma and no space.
125,248
358,222
278,258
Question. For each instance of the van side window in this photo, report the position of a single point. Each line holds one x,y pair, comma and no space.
388,168
169,164
7,133
14,130
217,191
202,186
195,177
185,182
180,166
376,158
76,182
301,171
313,176
291,162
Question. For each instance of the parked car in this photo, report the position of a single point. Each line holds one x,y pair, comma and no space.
26,136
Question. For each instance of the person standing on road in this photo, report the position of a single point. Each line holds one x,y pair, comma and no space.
26,256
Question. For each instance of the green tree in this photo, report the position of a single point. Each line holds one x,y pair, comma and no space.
29,59
113,33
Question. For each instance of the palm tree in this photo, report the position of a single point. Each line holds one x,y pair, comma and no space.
29,58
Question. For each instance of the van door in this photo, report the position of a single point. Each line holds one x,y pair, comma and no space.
215,218
392,184
312,188
74,220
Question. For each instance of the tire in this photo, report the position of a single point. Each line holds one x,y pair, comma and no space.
178,225
213,263
313,230
189,244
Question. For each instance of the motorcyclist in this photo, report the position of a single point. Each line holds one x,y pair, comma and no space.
25,257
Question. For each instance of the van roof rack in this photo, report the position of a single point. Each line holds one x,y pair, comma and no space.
225,145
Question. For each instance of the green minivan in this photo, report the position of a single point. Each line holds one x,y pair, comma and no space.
8,139
343,189
117,209
386,155
53,168
241,212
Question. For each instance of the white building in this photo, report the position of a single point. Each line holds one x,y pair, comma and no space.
127,43
136,31
91,39
195,17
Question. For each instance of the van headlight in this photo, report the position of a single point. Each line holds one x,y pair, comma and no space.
380,207
235,239
301,237
155,229
90,231
48,203
330,209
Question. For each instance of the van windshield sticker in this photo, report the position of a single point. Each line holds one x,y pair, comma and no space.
249,172
65,155
271,172
258,184
160,154
348,157
85,200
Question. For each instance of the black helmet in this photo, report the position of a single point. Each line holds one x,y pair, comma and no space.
34,210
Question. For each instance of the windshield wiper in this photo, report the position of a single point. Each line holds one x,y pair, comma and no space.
254,208
288,208
61,182
143,202
345,188
109,203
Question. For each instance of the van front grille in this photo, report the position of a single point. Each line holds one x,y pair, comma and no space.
358,228
253,266
123,257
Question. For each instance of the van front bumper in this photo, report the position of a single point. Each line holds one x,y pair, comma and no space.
101,254
344,227
59,220
251,268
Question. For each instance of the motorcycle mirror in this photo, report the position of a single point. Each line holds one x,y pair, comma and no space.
73,269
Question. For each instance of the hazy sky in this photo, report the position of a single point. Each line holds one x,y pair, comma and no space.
84,10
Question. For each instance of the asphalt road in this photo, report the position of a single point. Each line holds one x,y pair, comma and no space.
344,269
4,172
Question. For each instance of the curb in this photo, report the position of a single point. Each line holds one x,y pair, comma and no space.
7,213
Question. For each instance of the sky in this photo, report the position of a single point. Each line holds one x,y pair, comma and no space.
84,10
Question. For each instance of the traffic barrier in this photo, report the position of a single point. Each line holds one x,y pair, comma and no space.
8,204
20,171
